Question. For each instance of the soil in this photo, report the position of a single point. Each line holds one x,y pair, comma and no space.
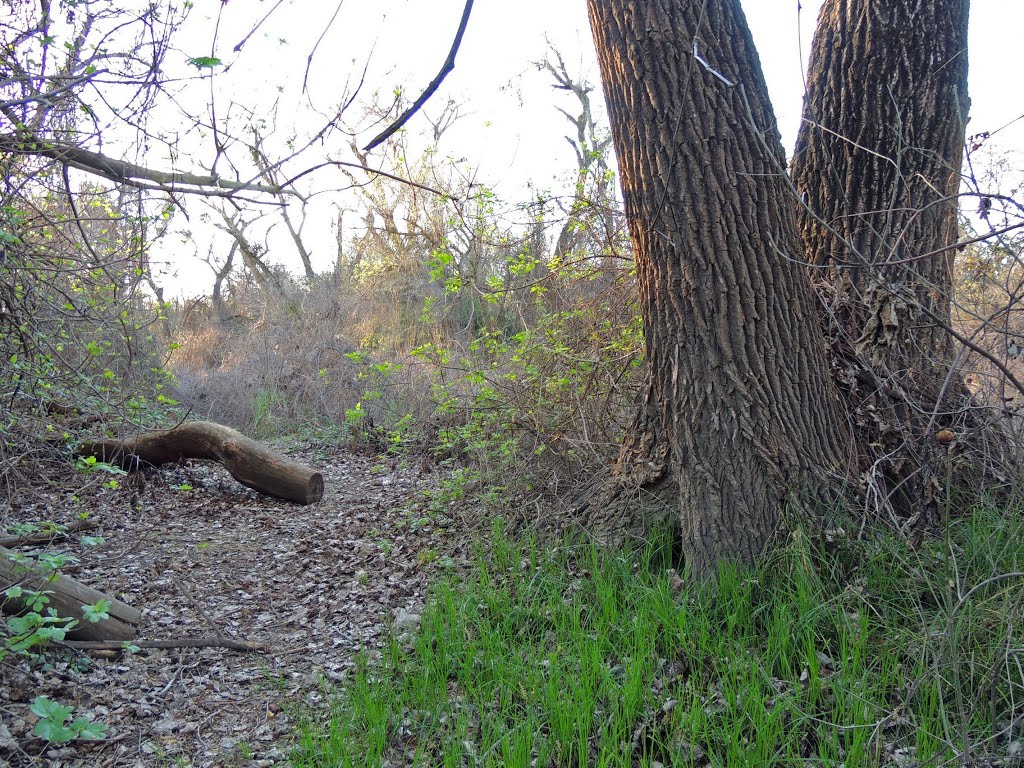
202,556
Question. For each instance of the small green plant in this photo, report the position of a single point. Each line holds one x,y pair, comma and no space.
426,556
35,629
354,416
265,406
29,634
55,723
92,464
96,612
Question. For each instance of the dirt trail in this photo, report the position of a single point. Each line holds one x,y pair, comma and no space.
315,584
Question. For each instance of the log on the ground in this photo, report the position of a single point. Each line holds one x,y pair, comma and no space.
46,537
249,462
66,597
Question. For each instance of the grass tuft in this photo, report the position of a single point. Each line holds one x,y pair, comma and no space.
859,653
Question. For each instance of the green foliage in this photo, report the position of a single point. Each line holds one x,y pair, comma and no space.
38,625
92,464
848,652
27,636
34,629
541,406
97,612
78,334
264,407
55,723
204,62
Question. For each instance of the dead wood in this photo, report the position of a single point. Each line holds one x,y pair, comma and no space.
186,642
249,462
45,537
66,597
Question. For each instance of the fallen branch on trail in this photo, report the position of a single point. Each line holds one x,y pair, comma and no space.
187,642
66,597
250,463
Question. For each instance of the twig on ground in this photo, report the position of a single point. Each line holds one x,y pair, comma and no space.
185,642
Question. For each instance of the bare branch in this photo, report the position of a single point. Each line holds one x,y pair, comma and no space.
323,34
124,172
48,96
449,65
241,43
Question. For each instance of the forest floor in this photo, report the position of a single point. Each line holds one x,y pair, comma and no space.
192,549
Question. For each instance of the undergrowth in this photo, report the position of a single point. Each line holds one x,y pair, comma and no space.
852,652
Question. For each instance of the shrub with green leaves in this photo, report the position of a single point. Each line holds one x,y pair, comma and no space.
79,328
56,725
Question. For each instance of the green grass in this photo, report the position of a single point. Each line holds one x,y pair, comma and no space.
826,654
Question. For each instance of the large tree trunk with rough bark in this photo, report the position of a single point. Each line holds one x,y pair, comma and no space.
641,497
739,370
877,168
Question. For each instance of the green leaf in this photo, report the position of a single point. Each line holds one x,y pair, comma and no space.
51,730
56,561
43,706
96,612
205,62
56,634
87,729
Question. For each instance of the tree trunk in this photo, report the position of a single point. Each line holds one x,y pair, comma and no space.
877,166
641,496
249,462
738,363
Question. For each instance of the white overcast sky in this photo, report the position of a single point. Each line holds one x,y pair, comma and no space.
513,132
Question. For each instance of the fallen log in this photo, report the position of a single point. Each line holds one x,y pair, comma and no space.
250,463
66,597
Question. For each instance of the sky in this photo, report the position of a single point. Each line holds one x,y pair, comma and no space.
511,133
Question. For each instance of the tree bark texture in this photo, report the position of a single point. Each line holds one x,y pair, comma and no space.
738,362
641,496
249,462
66,597
877,167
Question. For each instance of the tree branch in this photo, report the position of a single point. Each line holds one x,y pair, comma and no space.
127,173
449,65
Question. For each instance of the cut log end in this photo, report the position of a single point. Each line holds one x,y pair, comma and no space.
314,488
